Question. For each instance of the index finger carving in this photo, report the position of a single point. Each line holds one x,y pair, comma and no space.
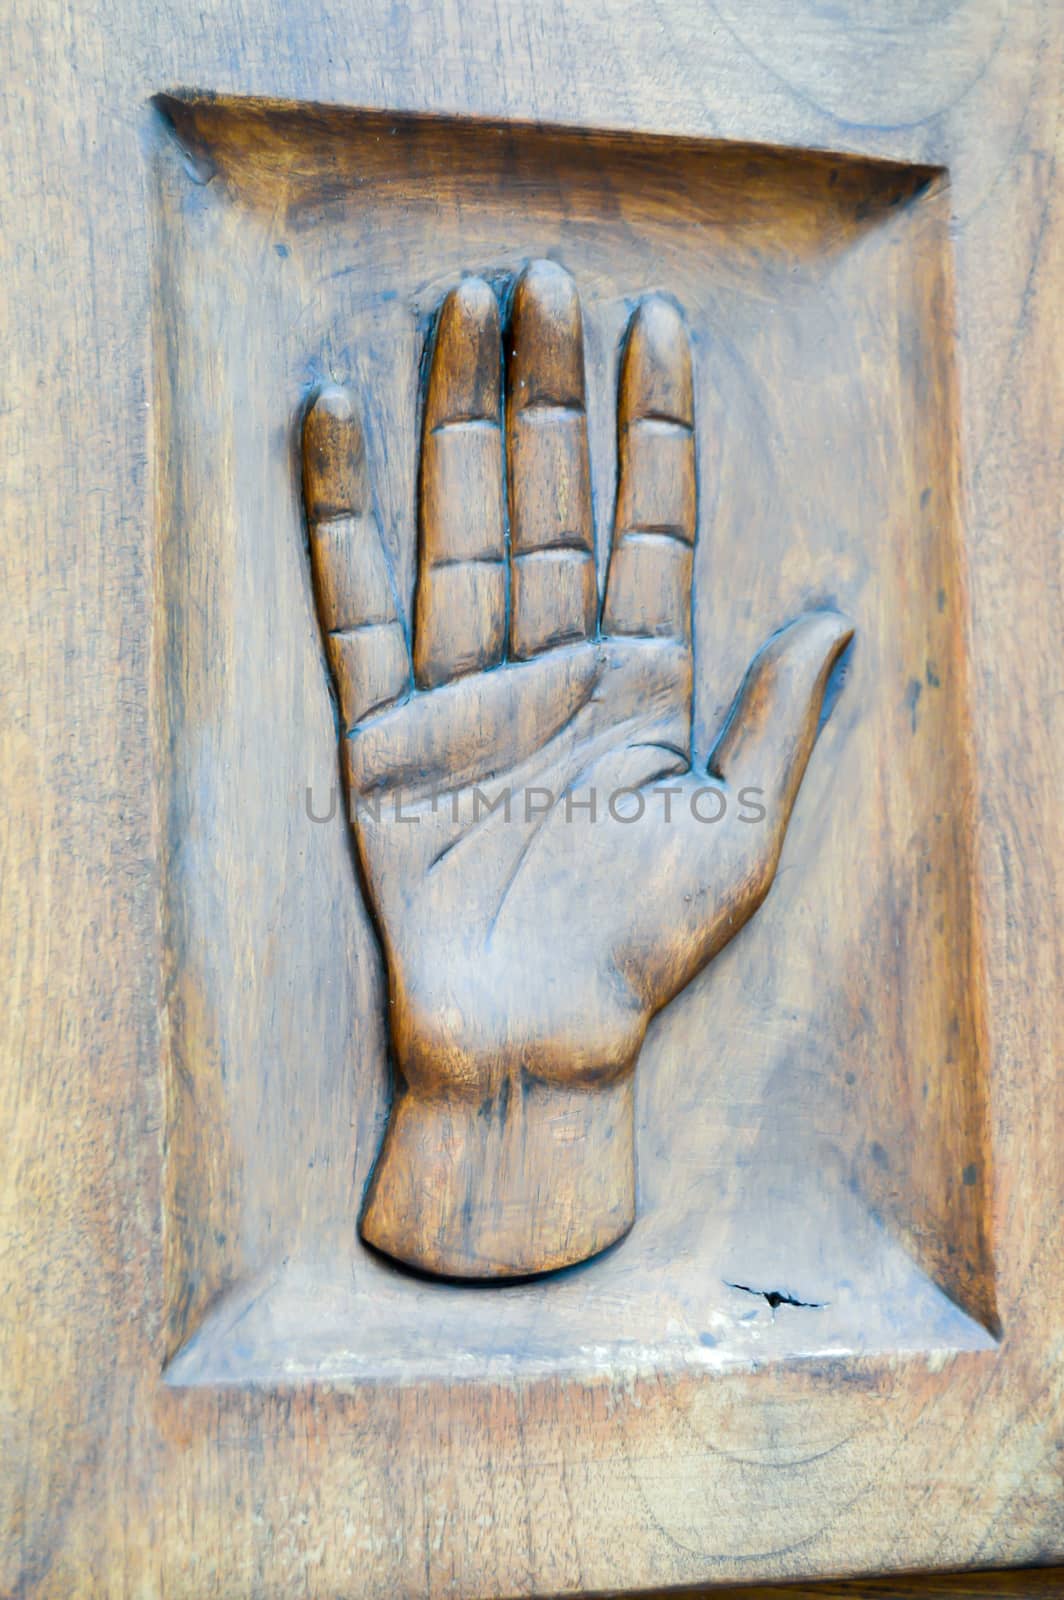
648,588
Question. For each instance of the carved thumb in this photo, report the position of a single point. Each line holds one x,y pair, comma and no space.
770,732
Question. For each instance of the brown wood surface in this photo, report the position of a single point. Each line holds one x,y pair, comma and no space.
188,984
1029,1583
803,1139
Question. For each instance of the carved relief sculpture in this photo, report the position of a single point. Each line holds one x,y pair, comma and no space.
535,910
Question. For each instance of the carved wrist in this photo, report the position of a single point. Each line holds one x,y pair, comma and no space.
533,1177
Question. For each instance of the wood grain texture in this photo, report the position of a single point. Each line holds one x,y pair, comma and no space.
611,1479
1031,1583
872,1096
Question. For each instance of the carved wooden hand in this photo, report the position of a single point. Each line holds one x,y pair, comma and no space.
536,832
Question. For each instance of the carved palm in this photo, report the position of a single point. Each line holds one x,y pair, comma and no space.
548,859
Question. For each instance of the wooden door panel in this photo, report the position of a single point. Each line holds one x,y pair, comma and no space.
802,1110
827,1346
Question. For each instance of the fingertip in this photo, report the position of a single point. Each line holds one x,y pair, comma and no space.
847,631
656,375
548,290
546,338
334,400
465,378
335,481
816,635
802,655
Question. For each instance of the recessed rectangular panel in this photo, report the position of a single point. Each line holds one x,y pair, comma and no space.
809,1111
